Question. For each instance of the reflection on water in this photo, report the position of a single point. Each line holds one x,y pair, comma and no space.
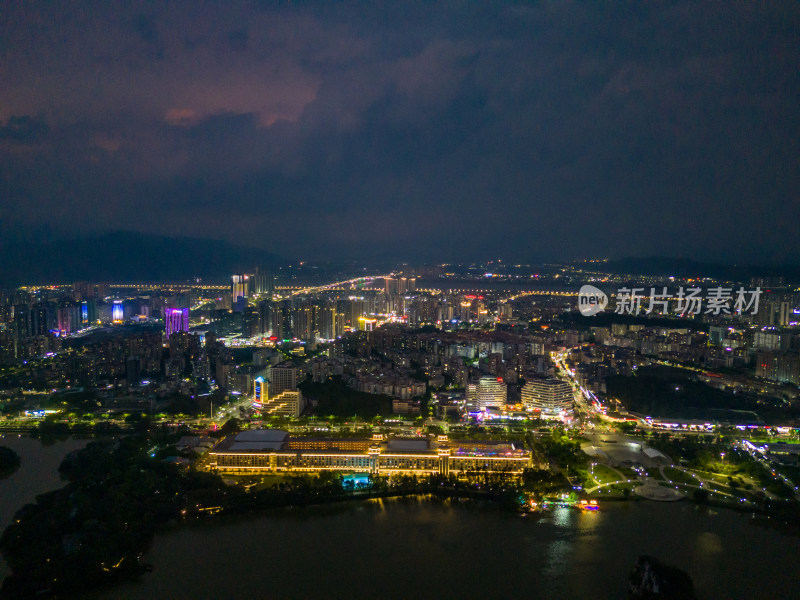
423,547
708,543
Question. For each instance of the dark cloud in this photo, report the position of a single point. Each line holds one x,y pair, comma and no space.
23,130
552,129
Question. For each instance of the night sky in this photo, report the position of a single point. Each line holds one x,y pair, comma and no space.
415,131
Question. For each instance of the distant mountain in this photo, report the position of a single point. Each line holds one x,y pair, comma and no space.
684,267
127,256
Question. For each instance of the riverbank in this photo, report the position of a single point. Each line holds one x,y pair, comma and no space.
93,532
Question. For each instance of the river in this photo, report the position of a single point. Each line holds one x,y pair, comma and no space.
427,548
423,547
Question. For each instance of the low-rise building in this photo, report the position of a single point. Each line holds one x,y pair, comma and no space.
275,451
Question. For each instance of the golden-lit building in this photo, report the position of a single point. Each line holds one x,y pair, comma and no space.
275,451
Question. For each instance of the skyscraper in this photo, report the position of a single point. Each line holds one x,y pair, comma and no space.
283,377
176,319
261,390
264,282
240,286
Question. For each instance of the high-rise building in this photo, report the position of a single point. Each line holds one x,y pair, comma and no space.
549,397
328,323
358,308
772,340
488,392
304,322
264,282
399,285
281,319
88,311
265,317
778,366
117,312
283,377
240,286
261,392
176,319
250,325
69,318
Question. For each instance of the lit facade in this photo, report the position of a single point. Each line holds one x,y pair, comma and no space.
278,452
240,286
261,394
549,397
117,312
282,377
488,392
288,403
176,319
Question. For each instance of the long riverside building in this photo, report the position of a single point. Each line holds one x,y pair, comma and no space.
270,450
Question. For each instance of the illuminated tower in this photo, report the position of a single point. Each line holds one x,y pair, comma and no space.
240,286
176,319
117,311
261,390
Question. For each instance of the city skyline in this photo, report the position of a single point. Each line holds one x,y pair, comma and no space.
356,284
554,130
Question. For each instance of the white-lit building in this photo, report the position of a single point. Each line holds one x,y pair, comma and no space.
549,397
488,392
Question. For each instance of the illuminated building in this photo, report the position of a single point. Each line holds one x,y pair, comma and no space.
331,323
282,377
288,403
251,322
772,340
276,451
488,392
399,285
261,392
117,312
264,283
778,366
176,319
303,321
266,314
549,397
240,286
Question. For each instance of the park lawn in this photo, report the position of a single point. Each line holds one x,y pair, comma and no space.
603,474
679,476
719,478
616,490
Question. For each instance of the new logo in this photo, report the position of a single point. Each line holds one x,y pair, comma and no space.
591,300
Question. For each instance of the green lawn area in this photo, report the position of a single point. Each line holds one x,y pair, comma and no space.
603,474
716,477
616,491
679,476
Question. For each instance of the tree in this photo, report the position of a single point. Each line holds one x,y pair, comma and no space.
9,461
231,426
